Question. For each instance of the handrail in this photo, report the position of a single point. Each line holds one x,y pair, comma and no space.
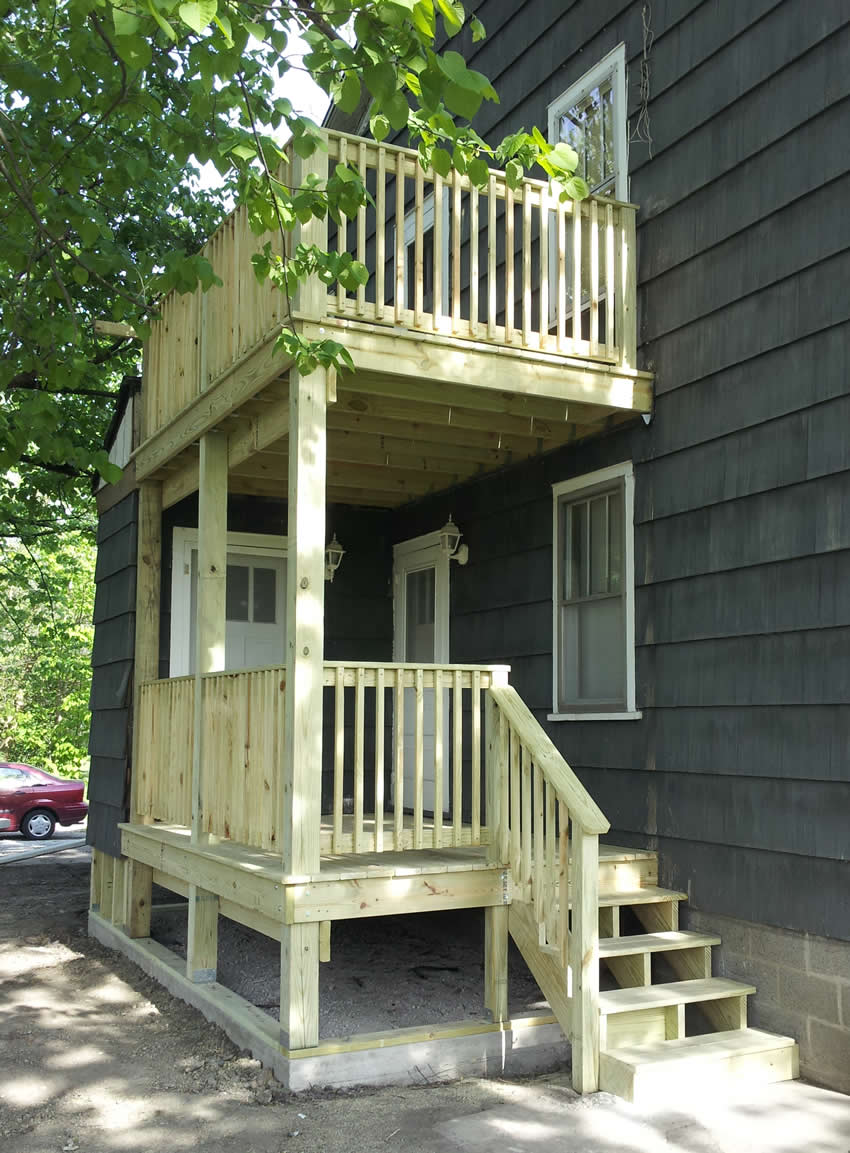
561,777
545,824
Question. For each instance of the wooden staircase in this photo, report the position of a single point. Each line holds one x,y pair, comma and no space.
649,1046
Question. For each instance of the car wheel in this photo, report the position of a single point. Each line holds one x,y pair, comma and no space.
38,825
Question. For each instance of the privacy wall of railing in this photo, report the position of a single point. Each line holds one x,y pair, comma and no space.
509,267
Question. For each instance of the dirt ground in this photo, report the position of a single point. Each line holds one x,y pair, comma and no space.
96,1057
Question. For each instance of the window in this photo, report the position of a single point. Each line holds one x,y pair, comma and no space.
591,117
593,596
427,254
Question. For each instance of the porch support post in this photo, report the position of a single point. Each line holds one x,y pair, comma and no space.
302,747
584,959
202,944
495,918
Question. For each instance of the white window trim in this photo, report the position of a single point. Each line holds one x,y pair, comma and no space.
613,65
183,541
576,485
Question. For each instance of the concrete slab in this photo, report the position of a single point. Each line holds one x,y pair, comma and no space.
783,1118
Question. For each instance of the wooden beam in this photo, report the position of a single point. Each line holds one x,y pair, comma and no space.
433,360
224,396
366,447
502,402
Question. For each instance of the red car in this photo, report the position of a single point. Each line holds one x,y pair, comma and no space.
32,801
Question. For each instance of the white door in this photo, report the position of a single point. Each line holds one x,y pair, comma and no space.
421,636
255,633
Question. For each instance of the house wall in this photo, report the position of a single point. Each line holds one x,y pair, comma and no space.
739,770
112,673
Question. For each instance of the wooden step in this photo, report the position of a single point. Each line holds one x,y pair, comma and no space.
646,895
652,1074
610,947
649,1013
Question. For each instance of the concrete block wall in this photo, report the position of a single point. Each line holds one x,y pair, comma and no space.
803,984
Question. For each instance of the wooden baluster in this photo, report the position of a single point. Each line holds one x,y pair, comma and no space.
576,275
380,233
526,804
504,752
610,290
342,231
476,751
491,258
516,796
543,270
457,758
628,249
562,276
594,278
438,249
509,264
419,760
339,754
398,779
564,884
538,843
551,892
361,229
526,264
359,749
473,261
456,239
438,758
418,254
380,684
399,298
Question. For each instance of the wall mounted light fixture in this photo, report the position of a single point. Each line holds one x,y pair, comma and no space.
450,545
333,558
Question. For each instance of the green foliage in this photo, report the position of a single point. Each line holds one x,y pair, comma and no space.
107,106
46,637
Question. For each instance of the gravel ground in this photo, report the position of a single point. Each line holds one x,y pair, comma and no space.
384,972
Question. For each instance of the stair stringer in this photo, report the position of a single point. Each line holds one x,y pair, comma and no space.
544,966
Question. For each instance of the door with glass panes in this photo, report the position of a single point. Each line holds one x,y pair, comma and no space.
421,636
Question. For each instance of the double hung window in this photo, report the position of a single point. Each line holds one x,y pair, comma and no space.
593,580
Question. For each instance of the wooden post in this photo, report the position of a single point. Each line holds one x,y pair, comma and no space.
202,944
302,747
495,918
139,881
584,959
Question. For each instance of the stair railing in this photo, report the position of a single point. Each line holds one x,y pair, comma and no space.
546,826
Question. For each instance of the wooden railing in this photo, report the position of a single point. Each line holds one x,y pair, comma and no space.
502,266
380,801
396,703
546,826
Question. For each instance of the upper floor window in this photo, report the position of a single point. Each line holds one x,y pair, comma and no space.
593,602
591,117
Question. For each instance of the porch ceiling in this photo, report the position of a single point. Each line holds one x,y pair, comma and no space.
392,439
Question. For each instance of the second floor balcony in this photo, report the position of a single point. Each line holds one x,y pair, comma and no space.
471,292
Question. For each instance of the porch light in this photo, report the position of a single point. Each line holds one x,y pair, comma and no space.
333,558
450,544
